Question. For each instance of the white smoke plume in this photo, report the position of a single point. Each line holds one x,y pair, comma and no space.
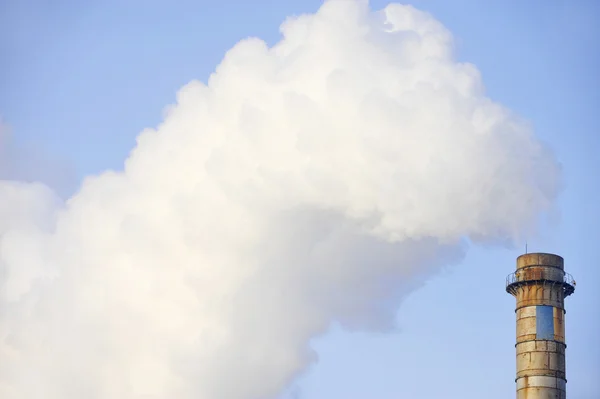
312,182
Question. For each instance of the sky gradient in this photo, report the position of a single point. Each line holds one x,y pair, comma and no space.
80,82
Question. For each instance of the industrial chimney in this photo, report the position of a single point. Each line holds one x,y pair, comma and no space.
540,286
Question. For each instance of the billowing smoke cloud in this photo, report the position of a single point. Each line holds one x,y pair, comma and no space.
312,182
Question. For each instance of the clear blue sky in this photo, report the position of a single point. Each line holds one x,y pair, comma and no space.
82,79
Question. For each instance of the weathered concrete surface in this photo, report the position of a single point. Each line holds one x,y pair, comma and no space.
540,286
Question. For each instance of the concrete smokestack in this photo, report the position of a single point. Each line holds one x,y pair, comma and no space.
540,286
